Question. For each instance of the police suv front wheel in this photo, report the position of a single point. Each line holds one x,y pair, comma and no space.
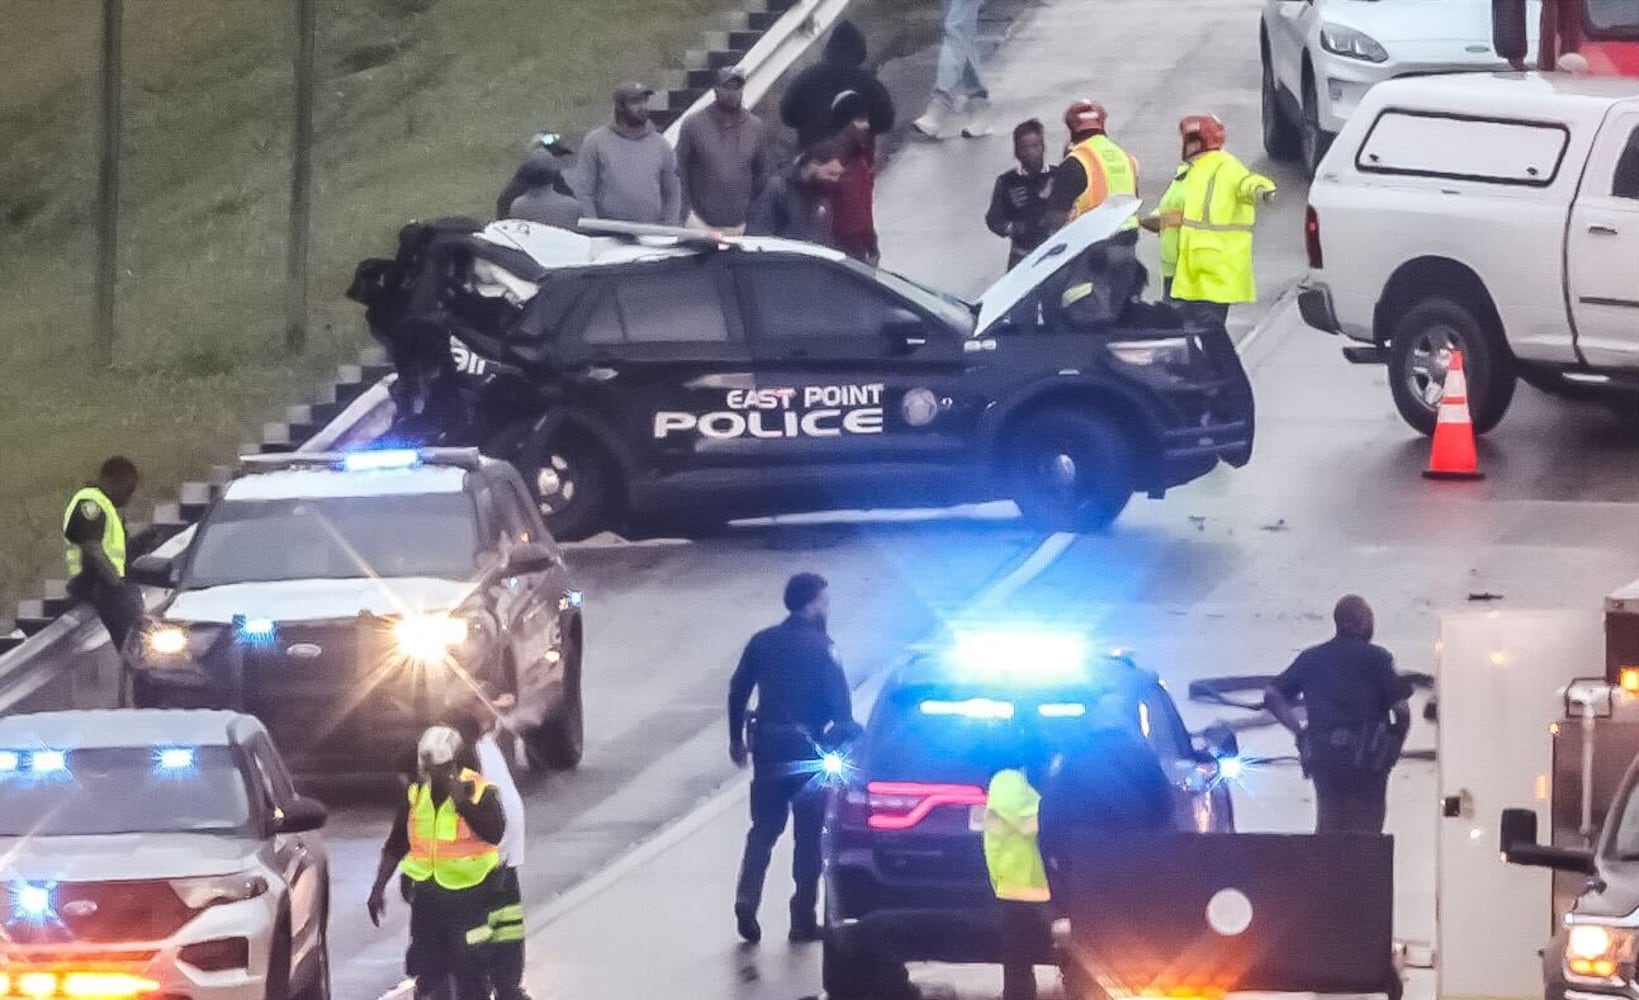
572,483
1071,471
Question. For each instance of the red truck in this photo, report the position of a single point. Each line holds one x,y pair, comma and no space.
1601,37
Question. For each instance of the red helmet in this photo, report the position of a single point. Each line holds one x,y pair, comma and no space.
1085,116
1208,128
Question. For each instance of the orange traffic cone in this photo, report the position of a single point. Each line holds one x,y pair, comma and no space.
1453,455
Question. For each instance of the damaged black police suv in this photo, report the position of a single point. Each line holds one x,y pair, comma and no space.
647,370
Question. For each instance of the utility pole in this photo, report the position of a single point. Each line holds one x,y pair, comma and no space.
108,182
301,179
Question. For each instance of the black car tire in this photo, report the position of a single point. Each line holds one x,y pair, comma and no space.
585,500
1488,367
277,984
1282,139
847,973
1100,464
560,741
1315,141
319,987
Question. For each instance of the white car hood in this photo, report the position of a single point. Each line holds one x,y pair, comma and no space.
1048,259
313,600
1467,22
125,857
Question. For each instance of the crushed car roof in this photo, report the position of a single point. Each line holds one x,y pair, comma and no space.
560,248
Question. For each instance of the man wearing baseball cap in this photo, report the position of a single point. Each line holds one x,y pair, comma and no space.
723,157
626,170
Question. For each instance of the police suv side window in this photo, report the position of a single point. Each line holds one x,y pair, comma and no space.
797,300
681,305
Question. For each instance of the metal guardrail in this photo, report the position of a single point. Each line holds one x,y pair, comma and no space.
70,662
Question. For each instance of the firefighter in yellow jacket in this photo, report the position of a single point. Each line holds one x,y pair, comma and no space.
444,846
1220,207
1018,878
1094,169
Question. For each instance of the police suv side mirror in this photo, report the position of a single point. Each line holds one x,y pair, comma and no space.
1517,840
304,816
152,571
524,560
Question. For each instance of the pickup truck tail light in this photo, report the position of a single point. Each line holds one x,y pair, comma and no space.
1311,238
901,805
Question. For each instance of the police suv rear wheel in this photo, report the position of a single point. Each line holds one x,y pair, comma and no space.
1072,471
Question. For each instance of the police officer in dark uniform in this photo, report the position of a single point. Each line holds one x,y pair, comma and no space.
95,532
803,706
1357,720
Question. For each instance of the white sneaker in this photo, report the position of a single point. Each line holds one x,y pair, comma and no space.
935,122
978,118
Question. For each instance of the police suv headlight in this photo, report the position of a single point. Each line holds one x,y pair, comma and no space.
172,644
1351,44
217,890
1596,954
1171,352
166,641
429,638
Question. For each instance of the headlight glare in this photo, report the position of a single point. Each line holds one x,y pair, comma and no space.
428,638
1596,953
167,640
1172,351
1351,44
215,890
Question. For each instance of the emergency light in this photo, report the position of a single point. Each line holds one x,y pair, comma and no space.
372,461
832,764
174,758
256,629
9,761
1021,655
48,761
972,708
31,902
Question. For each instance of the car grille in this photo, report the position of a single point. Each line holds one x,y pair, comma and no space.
101,913
345,697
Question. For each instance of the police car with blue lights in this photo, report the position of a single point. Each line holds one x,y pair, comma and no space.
349,600
161,855
644,370
905,876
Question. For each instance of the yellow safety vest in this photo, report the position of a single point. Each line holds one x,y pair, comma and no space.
1215,244
1011,853
113,531
1109,169
1172,201
442,847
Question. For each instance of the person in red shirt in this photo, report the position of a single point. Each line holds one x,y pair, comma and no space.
854,224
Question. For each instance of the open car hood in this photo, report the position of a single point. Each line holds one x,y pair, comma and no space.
1051,257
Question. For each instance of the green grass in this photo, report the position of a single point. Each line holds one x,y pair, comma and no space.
423,106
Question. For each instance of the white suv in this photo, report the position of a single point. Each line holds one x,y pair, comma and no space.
1321,56
157,854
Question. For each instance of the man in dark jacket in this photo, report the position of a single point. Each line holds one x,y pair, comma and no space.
1357,718
1021,208
809,102
545,148
798,203
803,704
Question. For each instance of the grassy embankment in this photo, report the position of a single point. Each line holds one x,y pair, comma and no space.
423,106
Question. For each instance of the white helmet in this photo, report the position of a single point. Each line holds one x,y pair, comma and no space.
439,745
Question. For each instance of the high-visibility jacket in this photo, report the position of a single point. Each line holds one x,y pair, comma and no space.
1012,856
113,530
1215,244
1171,204
442,847
1109,169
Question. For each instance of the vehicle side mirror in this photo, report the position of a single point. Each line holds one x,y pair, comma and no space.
1517,840
523,560
905,330
152,571
1219,741
1508,31
304,816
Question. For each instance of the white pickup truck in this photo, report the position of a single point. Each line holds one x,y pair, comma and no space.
1495,213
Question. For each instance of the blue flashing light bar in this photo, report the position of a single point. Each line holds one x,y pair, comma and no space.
48,761
256,629
174,758
371,461
32,902
1062,710
972,708
1022,655
10,760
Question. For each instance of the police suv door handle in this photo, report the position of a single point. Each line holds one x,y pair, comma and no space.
1600,229
591,373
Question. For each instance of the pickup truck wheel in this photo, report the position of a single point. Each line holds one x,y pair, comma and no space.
1072,471
1315,140
1420,356
1281,138
572,484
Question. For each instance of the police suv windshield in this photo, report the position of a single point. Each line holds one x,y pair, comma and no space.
336,538
101,792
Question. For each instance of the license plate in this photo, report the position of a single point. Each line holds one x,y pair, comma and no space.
976,818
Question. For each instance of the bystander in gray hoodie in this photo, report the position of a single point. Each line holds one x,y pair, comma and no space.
626,170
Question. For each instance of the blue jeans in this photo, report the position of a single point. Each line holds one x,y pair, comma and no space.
959,55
